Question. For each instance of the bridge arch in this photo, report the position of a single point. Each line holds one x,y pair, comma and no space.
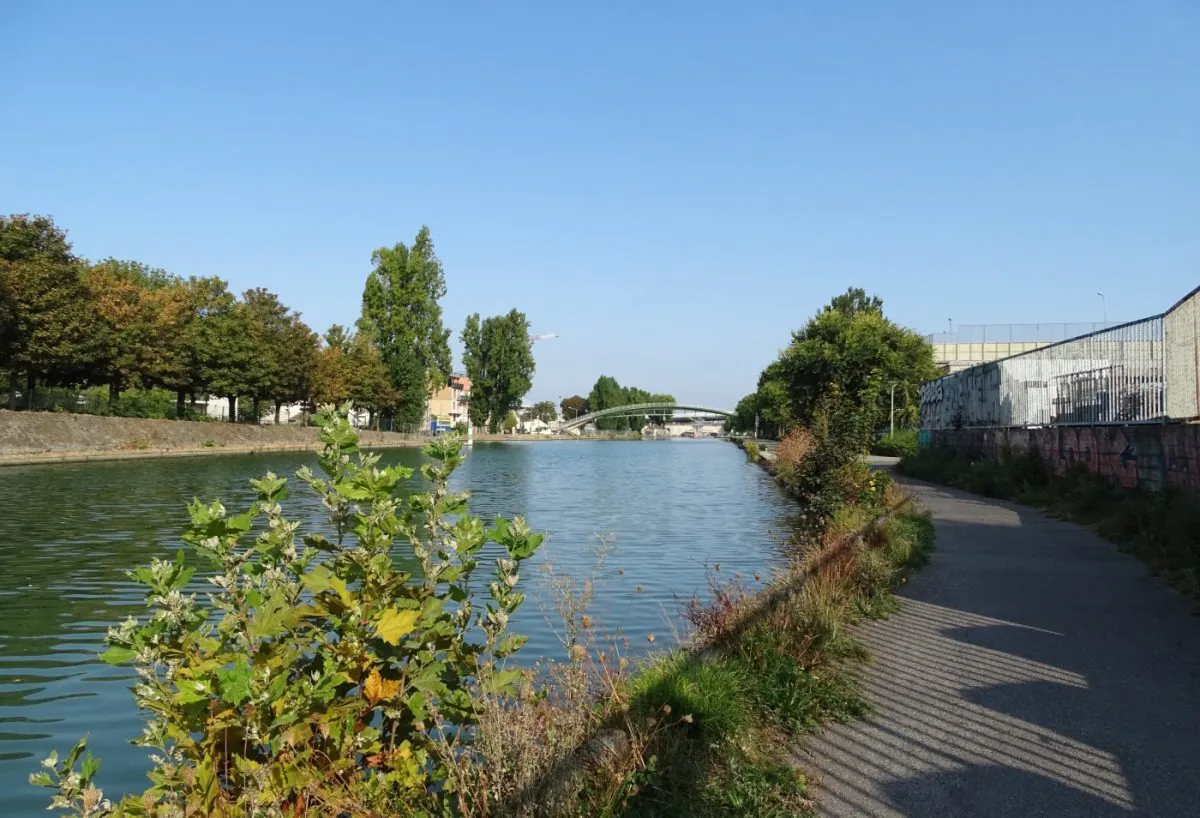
641,409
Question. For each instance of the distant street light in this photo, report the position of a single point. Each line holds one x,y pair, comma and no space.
892,413
1103,306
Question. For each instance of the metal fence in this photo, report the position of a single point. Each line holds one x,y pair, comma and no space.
1016,333
1141,372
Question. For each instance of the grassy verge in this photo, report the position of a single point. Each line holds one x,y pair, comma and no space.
709,729
775,666
1160,528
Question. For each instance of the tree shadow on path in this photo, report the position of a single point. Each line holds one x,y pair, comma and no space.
1033,670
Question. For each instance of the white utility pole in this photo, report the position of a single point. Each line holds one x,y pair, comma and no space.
892,413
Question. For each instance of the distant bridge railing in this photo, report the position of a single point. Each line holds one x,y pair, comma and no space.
641,409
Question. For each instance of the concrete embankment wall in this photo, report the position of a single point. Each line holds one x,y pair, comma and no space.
31,437
1150,456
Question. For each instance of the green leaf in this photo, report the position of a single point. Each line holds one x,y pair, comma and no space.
117,656
190,693
240,523
73,756
317,579
510,645
271,486
271,618
429,678
235,682
524,547
393,625
40,780
502,681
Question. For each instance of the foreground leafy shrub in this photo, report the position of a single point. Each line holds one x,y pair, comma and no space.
319,676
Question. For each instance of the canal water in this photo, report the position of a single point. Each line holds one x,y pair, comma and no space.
664,511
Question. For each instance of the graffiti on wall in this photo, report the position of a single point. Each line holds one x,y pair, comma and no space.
1105,451
967,398
1150,457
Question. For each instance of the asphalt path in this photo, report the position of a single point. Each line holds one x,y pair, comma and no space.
1033,670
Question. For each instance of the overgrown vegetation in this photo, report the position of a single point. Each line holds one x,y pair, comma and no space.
320,675
768,667
900,444
1162,528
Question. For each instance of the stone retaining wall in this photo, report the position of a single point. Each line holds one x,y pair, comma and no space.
37,433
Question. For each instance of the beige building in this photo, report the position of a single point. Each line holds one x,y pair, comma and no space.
448,406
958,356
971,344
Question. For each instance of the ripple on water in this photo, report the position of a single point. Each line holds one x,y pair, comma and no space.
668,512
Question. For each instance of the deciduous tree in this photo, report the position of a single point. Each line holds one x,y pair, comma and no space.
49,326
849,346
367,378
498,357
402,316
573,407
297,363
608,394
330,385
544,411
139,319
224,344
336,337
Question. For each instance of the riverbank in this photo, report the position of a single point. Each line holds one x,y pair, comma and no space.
30,438
713,727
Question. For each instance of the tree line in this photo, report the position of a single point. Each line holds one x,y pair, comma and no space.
69,322
607,393
847,357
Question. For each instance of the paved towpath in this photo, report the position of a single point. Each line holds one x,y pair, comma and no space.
1033,670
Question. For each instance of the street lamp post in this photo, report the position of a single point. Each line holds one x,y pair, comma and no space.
892,412
1103,306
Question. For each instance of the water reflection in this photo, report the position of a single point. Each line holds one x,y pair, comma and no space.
69,533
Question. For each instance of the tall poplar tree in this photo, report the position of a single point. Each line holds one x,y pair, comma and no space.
402,316
498,357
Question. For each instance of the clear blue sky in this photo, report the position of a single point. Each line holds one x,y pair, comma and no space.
672,187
